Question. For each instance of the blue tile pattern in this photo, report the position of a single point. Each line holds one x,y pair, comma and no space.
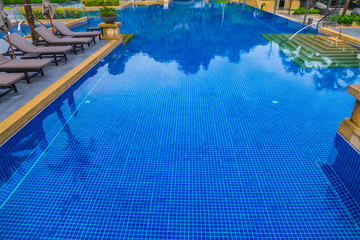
194,130
343,192
345,162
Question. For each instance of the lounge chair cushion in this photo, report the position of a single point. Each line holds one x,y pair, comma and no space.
53,50
22,64
26,47
85,34
8,79
19,42
64,30
50,38
3,59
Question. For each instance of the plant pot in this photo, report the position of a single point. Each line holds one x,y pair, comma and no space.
109,19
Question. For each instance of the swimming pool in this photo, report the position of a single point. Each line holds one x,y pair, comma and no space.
198,128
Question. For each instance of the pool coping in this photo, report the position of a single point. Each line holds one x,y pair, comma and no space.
345,37
13,123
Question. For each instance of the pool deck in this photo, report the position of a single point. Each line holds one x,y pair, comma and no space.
351,31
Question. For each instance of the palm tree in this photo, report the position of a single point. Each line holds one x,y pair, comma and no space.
30,20
346,5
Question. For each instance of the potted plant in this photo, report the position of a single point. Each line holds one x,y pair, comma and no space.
108,14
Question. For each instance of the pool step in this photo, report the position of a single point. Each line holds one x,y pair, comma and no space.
317,44
321,52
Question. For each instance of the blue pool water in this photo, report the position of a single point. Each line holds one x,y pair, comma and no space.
198,128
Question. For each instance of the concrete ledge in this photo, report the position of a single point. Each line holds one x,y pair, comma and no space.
350,132
349,128
149,3
111,30
343,36
18,119
354,90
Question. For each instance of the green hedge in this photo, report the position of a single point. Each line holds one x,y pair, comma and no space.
302,10
8,2
59,13
357,20
91,3
347,19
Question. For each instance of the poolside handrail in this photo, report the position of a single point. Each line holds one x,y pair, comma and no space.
317,24
339,33
333,10
302,29
19,27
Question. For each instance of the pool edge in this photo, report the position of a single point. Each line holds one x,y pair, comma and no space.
13,123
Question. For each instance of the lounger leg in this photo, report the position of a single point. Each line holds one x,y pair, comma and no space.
27,77
94,40
74,47
55,60
42,72
14,87
88,44
65,56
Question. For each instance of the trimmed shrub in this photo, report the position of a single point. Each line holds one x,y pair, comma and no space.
357,20
302,11
59,13
107,12
347,19
91,3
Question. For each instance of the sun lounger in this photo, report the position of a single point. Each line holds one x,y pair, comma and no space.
65,31
25,66
8,80
51,39
23,45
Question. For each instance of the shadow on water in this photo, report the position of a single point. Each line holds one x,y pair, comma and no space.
75,156
17,149
13,156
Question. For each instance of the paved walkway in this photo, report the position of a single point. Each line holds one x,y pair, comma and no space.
354,32
13,101
298,18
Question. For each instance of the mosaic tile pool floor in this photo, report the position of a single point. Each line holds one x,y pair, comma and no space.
194,130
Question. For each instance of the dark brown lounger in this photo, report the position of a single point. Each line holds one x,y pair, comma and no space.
65,31
51,39
8,80
23,66
23,45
